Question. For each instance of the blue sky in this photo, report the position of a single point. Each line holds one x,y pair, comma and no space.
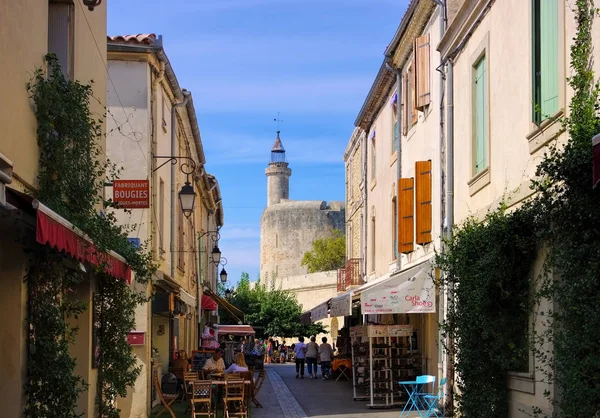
245,60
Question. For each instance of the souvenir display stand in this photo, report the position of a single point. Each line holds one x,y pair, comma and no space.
382,355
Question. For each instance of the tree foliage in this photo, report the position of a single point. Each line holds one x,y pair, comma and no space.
326,254
271,311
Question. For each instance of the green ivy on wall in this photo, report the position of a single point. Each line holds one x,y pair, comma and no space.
72,173
488,267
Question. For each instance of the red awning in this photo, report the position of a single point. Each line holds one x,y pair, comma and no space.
57,232
208,303
235,329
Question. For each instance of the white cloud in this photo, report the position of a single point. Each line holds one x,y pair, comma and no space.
254,149
333,94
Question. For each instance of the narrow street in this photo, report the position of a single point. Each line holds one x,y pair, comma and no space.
282,395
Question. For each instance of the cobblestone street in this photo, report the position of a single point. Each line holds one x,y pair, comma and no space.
285,396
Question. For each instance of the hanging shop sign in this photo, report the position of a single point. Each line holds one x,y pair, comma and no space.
131,194
410,292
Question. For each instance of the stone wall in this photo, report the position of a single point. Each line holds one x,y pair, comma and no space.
288,230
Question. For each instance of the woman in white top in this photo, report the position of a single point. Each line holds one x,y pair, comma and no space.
238,365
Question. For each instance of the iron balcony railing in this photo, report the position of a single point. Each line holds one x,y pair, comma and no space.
350,275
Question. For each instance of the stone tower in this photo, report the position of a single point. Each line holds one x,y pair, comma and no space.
278,174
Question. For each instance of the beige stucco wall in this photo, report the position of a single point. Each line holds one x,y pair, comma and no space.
421,143
23,50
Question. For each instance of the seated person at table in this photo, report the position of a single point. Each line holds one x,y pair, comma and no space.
238,365
215,364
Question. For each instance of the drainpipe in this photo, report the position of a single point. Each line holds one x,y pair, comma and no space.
390,66
186,97
366,207
450,206
153,149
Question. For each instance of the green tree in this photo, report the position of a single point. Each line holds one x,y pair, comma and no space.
326,254
269,310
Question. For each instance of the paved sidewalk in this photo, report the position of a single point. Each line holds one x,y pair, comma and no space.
269,401
325,398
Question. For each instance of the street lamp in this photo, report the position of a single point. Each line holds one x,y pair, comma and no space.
216,255
228,294
223,276
91,4
187,198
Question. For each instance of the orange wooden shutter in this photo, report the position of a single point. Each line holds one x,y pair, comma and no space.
406,224
423,201
422,94
403,97
413,93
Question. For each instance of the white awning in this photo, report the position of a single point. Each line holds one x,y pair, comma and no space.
187,298
341,305
411,291
320,311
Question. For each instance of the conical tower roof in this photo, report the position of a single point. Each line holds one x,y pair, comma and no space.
278,152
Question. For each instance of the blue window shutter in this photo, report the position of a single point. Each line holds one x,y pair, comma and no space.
396,143
548,44
481,115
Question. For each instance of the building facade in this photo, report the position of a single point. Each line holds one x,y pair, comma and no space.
402,174
504,121
33,30
150,121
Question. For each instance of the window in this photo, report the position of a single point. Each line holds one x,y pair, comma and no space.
161,215
394,227
480,113
373,241
60,34
545,59
410,115
421,87
395,139
373,157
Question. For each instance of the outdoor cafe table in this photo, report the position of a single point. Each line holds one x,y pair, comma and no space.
413,389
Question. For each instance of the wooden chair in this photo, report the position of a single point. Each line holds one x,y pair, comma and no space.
202,397
251,390
233,376
234,401
166,399
188,379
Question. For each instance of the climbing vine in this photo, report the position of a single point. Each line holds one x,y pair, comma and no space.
571,231
488,265
72,173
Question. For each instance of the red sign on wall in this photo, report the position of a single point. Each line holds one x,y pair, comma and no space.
132,194
136,338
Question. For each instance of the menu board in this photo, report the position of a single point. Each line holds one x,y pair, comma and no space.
358,331
199,357
378,331
400,330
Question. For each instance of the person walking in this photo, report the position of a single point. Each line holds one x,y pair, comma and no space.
312,353
300,351
326,356
269,350
283,352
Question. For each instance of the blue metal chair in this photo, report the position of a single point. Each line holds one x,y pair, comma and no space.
432,400
420,393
